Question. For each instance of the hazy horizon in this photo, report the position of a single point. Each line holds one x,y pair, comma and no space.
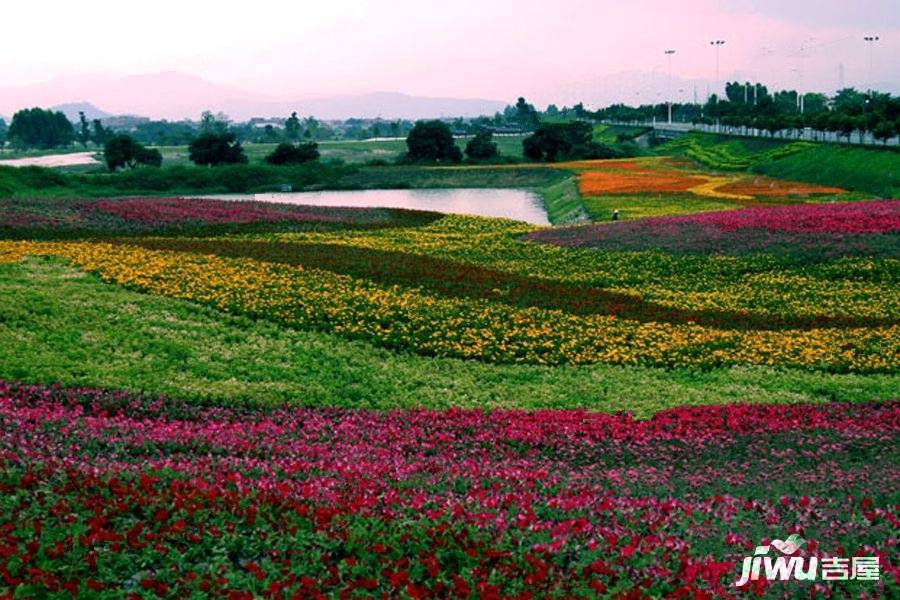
595,52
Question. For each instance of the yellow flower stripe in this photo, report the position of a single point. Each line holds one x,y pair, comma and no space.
681,282
473,329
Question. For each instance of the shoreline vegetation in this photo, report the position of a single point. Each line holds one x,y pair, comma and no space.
863,172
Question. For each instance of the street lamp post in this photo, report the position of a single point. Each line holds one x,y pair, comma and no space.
717,44
669,54
870,42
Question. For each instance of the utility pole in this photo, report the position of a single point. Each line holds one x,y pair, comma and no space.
669,54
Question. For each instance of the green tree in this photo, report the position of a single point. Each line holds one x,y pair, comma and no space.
786,101
289,154
3,129
432,141
849,101
884,131
735,90
84,129
814,104
526,115
558,141
121,151
213,149
210,123
311,124
99,133
292,128
39,128
482,147
269,133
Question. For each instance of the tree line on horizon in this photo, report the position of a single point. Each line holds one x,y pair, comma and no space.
217,140
749,105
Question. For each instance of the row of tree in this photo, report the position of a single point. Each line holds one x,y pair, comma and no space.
753,106
433,142
210,149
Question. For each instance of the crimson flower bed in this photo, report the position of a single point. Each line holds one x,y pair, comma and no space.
822,230
176,210
110,494
36,218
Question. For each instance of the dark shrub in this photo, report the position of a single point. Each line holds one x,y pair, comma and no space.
482,147
216,148
432,141
567,141
122,151
289,154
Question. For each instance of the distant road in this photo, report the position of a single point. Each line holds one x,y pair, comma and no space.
72,159
812,135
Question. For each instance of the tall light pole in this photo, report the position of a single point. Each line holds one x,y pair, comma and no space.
717,44
669,54
870,42
803,47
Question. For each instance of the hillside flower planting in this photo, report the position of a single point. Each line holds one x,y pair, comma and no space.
773,188
829,230
110,494
472,288
255,352
407,319
657,176
113,494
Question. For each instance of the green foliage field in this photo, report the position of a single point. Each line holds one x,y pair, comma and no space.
729,153
348,151
871,170
639,206
59,325
610,134
852,168
44,183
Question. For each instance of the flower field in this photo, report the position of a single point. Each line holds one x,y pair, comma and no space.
226,442
408,319
443,290
110,494
56,218
664,176
846,229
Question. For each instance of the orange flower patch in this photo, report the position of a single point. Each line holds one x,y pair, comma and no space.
766,186
615,164
596,182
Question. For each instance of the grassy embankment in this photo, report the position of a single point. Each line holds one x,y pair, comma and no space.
161,345
34,183
870,170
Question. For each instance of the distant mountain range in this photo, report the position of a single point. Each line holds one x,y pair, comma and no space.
177,96
71,110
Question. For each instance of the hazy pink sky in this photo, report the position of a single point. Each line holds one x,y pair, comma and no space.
548,51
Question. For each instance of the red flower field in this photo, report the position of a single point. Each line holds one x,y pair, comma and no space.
109,493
